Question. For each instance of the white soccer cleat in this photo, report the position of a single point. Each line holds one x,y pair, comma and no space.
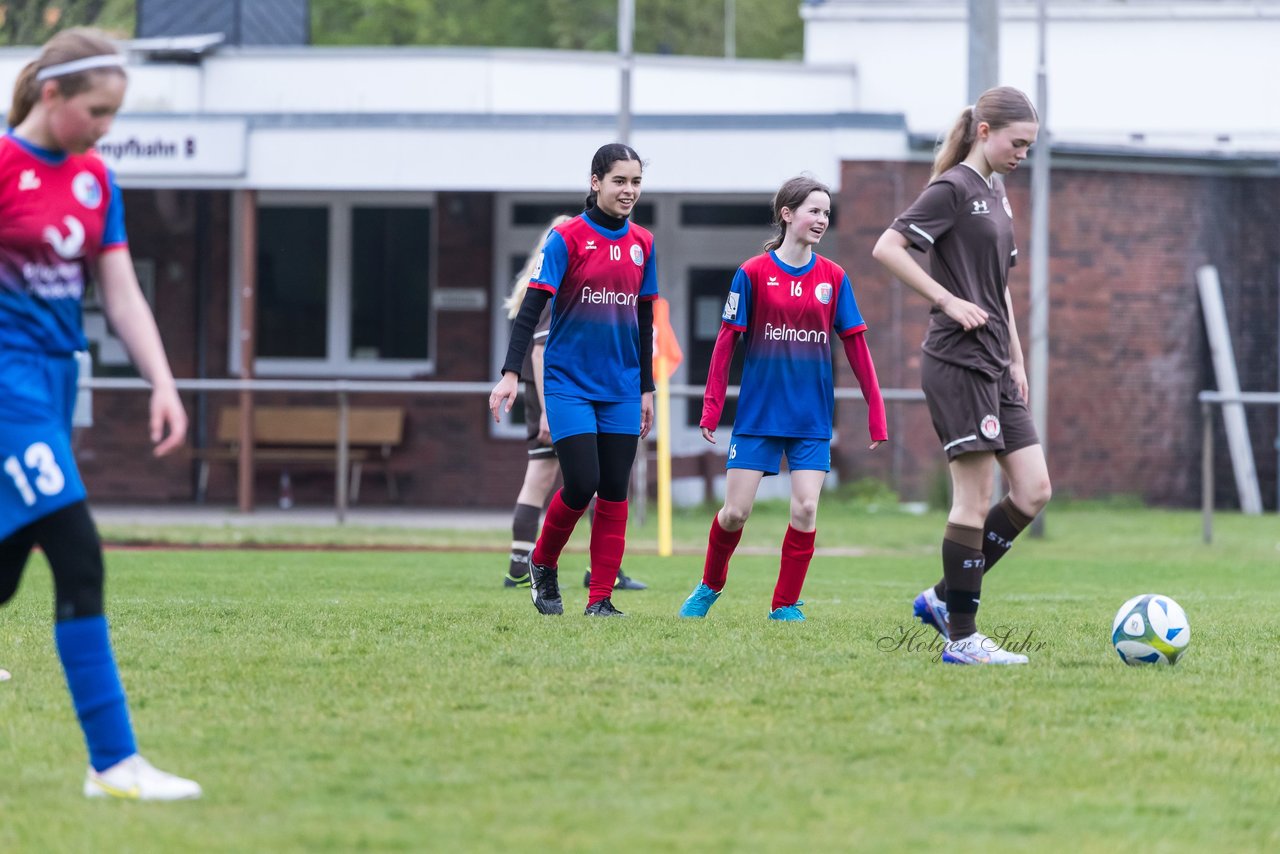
136,779
977,648
5,675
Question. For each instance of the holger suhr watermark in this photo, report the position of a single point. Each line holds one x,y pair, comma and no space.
925,640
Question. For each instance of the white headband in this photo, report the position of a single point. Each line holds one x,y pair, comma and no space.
105,60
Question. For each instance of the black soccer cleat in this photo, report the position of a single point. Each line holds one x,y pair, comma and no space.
603,608
624,582
544,586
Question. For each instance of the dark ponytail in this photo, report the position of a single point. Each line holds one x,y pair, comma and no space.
606,156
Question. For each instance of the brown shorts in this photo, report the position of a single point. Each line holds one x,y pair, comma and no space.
532,416
972,412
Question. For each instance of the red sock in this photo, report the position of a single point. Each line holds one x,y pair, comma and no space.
557,527
608,542
797,551
720,546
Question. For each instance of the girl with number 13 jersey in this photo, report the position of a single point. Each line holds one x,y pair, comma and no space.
62,219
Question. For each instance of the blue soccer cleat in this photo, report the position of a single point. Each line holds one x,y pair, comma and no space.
787,612
932,611
699,602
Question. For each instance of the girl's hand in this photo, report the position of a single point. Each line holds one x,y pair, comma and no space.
168,421
1019,374
962,312
709,435
505,390
646,413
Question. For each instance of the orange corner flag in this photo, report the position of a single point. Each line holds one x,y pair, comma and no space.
666,349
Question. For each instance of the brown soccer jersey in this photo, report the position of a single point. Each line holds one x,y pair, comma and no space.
966,226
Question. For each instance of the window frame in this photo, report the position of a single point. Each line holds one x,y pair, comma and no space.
338,361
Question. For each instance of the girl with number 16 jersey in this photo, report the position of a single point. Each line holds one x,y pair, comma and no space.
788,302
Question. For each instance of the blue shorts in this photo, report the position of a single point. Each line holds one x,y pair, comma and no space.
571,416
764,453
37,397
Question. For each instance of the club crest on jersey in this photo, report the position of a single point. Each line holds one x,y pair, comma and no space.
823,292
70,246
990,426
1007,207
87,190
637,255
731,307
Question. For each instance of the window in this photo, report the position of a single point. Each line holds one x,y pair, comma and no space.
293,282
541,213
344,285
388,314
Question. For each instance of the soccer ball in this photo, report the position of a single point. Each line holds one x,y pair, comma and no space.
1150,629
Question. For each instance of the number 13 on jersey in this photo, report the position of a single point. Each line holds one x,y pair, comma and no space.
49,479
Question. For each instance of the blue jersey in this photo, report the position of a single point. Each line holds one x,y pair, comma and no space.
787,315
597,278
58,213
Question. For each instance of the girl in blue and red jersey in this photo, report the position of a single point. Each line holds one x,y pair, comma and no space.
62,221
600,272
786,302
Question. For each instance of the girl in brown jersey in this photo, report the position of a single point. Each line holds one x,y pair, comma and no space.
973,374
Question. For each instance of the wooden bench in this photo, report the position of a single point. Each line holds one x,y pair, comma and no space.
308,435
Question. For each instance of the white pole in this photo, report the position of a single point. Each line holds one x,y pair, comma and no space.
626,29
730,29
984,46
1039,379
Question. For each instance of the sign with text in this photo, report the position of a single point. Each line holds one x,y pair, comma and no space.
197,148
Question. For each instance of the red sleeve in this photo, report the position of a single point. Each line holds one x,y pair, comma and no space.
718,377
855,348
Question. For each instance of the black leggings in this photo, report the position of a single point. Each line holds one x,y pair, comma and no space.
595,464
71,545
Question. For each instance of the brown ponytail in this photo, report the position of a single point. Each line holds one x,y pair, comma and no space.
998,107
66,46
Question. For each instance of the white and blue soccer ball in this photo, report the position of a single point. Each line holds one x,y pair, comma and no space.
1150,629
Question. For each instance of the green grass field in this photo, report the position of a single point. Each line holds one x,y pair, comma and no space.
404,701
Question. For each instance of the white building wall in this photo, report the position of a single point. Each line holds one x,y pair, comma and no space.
1186,71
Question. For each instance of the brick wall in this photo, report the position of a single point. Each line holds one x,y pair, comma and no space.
1128,351
447,457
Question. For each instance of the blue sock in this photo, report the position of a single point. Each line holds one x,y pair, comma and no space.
96,692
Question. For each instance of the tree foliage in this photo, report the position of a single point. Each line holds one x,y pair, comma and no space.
31,22
767,29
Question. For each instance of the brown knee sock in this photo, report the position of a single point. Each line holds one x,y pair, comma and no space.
962,564
1004,523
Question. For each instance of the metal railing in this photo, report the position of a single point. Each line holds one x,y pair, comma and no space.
1208,399
343,389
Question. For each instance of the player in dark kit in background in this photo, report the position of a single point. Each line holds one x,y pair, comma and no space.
600,269
543,469
786,301
61,217
972,372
